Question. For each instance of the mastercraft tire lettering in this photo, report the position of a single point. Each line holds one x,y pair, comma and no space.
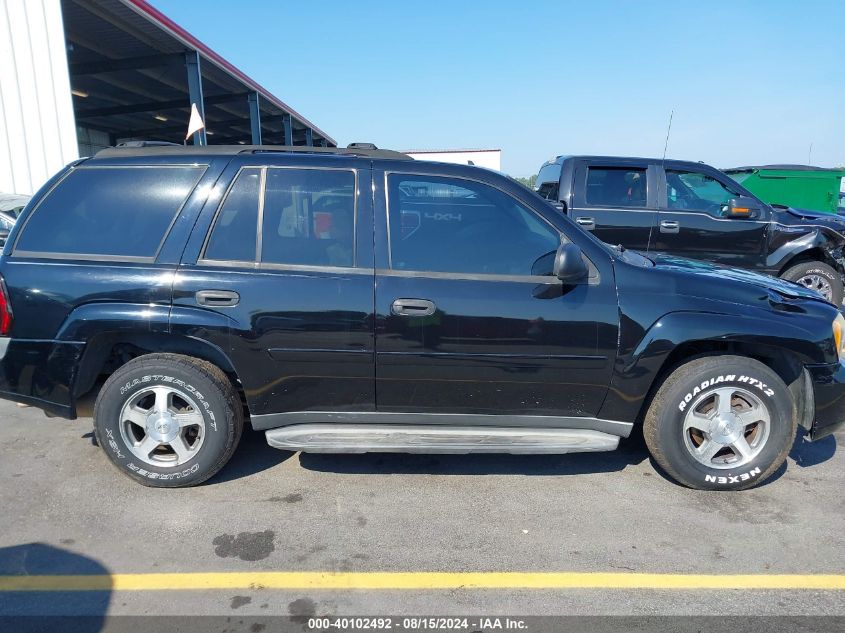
167,420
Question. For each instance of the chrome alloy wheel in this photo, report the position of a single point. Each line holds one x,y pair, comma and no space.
818,283
162,426
726,427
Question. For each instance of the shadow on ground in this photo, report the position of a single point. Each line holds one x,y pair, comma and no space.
66,611
806,453
630,451
252,456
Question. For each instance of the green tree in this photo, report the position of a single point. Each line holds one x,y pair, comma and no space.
528,182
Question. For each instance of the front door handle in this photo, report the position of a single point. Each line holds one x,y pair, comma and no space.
669,226
588,224
413,307
217,298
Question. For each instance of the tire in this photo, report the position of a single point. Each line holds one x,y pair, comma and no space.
191,442
820,277
689,398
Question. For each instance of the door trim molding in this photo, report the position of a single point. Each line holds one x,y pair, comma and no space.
276,420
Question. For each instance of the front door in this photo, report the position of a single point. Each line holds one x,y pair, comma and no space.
469,318
617,203
692,221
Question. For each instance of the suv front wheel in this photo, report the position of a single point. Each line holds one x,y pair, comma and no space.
721,423
167,420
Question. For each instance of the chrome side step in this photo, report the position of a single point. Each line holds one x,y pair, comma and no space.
394,438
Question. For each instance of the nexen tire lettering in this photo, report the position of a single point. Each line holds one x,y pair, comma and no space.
732,479
754,382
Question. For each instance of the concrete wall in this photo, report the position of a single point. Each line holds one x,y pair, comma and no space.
37,129
490,158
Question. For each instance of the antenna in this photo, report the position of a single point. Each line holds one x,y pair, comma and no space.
810,155
668,130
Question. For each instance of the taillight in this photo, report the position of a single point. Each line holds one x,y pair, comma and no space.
5,310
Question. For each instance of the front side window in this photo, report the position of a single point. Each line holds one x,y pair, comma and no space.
696,191
109,212
309,217
459,226
616,187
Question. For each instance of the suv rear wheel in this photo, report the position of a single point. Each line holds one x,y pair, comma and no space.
820,277
167,420
721,423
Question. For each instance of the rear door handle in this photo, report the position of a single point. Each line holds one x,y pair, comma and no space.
587,224
669,226
217,298
413,307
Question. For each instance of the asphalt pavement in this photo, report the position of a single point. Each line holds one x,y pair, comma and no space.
64,510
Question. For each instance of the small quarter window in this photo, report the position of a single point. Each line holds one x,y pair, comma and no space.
233,235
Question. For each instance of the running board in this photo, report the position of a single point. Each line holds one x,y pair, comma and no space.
394,438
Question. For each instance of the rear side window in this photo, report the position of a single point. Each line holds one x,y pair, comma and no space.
109,212
309,217
233,236
616,187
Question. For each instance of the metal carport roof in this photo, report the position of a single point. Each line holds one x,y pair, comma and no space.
134,74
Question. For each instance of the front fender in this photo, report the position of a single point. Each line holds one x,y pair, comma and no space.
638,368
787,245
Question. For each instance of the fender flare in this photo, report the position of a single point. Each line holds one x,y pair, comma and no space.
153,328
820,237
638,368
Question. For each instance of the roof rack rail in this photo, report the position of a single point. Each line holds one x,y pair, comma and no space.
147,148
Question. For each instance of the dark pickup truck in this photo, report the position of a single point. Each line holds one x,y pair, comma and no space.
693,210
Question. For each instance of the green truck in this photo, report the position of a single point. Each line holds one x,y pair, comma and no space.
798,186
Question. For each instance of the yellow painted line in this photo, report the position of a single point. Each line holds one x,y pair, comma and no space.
418,581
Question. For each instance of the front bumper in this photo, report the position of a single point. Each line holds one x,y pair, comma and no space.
829,397
40,373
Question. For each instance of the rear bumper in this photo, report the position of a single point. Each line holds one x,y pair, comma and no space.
40,373
829,397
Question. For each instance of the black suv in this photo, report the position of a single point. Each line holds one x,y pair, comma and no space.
692,210
356,300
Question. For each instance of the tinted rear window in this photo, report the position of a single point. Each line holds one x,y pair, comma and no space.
109,211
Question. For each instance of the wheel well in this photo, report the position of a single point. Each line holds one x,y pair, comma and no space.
783,362
107,352
811,255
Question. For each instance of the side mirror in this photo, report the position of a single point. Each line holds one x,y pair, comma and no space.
742,207
569,264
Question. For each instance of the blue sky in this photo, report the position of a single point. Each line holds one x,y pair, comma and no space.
750,82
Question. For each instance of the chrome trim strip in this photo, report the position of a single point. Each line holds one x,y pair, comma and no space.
534,279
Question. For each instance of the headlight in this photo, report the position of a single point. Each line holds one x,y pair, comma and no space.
839,335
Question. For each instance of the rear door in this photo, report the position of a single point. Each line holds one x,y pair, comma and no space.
692,220
616,202
286,257
469,318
